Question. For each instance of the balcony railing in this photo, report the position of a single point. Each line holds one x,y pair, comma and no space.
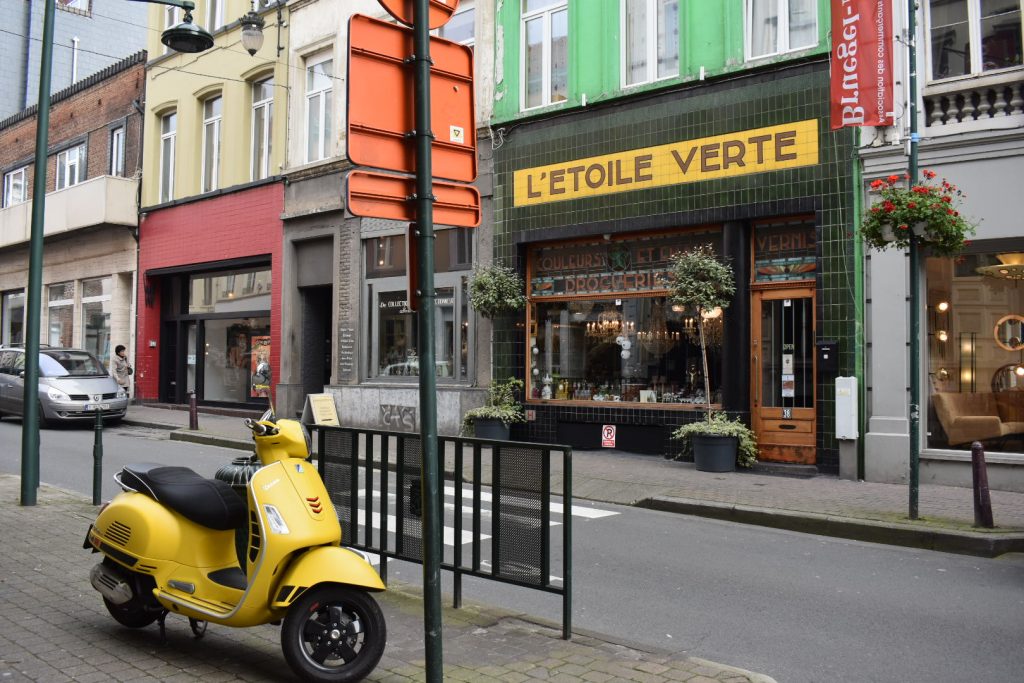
984,103
104,200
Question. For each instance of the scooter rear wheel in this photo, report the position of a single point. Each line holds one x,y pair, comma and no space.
333,634
131,614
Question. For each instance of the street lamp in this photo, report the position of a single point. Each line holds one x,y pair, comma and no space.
252,29
185,37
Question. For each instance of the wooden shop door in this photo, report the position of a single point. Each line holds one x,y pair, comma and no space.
782,374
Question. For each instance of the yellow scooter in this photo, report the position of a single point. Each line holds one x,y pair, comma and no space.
168,545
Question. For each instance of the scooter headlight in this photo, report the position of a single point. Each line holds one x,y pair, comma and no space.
276,521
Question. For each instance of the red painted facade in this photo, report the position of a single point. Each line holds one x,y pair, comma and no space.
231,226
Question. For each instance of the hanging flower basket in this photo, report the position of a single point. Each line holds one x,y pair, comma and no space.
926,210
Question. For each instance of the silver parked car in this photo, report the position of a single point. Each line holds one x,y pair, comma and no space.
73,385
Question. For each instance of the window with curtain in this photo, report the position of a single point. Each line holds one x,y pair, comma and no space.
545,50
971,37
211,143
262,125
168,135
319,89
778,26
650,30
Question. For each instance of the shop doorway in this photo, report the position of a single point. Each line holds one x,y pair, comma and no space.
782,374
316,338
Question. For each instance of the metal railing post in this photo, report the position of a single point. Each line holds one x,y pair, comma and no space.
567,544
982,502
97,459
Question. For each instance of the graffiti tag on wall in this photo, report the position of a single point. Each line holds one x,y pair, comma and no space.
400,418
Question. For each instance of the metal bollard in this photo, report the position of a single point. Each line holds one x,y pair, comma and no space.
982,502
97,459
193,412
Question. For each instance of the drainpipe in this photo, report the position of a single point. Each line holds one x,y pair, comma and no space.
74,60
28,57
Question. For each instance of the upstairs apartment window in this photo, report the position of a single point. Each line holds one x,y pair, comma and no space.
211,143
461,27
650,30
71,167
81,5
545,50
319,79
172,17
15,190
117,151
168,132
262,123
970,37
214,15
777,26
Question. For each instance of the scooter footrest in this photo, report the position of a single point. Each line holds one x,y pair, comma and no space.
232,577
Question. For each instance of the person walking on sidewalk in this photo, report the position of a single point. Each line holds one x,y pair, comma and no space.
122,370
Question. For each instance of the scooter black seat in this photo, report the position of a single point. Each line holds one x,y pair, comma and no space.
209,502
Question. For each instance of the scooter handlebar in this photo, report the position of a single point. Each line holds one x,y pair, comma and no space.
260,429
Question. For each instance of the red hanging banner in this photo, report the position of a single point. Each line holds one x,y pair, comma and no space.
862,43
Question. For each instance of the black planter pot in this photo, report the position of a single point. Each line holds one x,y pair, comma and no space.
489,428
714,453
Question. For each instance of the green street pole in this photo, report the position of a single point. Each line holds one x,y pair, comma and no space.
30,422
428,382
915,320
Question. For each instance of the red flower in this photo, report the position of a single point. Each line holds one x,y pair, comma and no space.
966,242
894,178
888,206
928,174
875,184
875,209
911,205
904,226
950,211
947,199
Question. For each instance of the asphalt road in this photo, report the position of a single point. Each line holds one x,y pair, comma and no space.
797,607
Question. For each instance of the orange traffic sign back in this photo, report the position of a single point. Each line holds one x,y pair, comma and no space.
381,102
440,11
382,195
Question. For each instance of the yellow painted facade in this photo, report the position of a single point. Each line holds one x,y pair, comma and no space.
178,82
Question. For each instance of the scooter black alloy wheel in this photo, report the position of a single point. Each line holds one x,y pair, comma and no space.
333,634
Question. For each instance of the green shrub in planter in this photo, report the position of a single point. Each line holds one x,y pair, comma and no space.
502,404
720,424
496,290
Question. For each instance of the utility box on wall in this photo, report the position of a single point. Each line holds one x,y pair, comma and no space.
846,408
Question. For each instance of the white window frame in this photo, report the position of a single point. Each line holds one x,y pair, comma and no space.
781,30
72,160
168,143
60,303
464,7
9,198
260,168
172,17
322,98
214,15
974,38
651,34
210,178
117,151
96,299
544,13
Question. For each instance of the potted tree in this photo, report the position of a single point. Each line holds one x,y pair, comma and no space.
925,209
722,443
502,409
702,282
496,290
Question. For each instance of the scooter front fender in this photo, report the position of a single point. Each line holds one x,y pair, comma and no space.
326,564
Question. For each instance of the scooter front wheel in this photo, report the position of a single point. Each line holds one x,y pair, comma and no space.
333,634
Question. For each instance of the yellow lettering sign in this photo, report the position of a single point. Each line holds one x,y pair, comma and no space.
753,151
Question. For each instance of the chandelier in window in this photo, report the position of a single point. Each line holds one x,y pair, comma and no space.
713,328
1011,267
609,325
657,338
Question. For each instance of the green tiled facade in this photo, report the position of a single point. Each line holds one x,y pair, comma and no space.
783,95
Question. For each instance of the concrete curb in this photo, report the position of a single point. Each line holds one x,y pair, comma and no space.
982,544
210,439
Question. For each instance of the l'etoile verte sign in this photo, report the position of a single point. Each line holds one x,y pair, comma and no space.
861,83
773,148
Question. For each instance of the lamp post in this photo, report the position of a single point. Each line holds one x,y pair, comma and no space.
915,266
185,37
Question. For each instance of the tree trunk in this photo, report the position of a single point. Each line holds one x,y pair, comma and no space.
704,358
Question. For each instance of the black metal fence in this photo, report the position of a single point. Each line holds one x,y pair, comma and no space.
497,506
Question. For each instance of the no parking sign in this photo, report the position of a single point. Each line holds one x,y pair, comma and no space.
608,436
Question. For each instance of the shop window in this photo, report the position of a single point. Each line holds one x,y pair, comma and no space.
12,318
116,167
236,359
247,290
211,143
168,135
461,27
970,37
394,353
70,167
650,40
15,188
95,307
319,89
60,314
778,26
601,327
545,50
262,127
975,351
